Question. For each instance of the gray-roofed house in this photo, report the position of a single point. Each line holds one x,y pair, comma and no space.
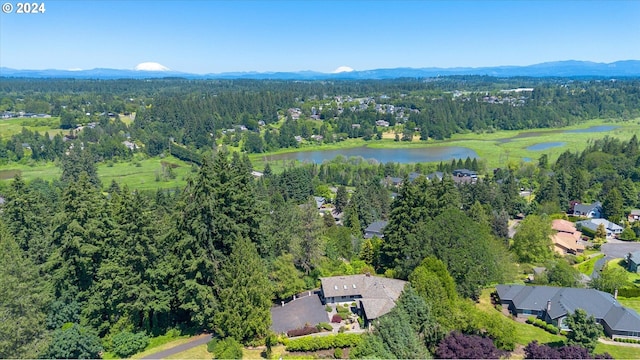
319,201
375,229
374,295
592,224
591,211
553,304
633,261
435,175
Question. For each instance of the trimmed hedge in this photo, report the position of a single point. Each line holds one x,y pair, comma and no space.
543,325
315,343
303,331
629,341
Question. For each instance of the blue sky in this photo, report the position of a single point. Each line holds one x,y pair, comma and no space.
224,36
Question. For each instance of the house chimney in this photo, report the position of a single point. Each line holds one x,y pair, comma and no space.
548,305
615,294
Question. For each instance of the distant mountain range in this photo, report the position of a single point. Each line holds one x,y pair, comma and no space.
571,68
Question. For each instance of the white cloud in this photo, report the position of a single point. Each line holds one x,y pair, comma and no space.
342,69
151,66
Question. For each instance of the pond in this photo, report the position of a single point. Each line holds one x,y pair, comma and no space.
404,156
545,146
600,128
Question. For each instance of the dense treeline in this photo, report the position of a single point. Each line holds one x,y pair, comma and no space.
267,115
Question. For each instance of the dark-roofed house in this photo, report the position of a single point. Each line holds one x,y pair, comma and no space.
553,304
633,261
435,175
375,229
375,295
591,211
465,173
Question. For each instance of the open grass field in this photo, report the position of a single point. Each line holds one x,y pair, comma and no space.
143,174
147,174
10,127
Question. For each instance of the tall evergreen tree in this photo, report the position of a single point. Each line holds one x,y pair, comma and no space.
244,296
23,300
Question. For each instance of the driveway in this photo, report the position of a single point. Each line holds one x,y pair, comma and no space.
197,341
296,313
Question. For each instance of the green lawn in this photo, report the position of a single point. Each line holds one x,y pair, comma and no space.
198,352
618,352
586,267
632,277
632,303
10,127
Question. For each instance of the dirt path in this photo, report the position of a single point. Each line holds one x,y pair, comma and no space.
196,341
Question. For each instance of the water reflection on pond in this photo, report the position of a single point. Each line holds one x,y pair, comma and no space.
404,156
545,146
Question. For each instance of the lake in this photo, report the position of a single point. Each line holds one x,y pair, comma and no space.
404,156
592,129
600,128
545,146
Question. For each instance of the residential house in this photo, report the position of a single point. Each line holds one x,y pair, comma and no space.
375,229
391,181
465,173
567,238
553,304
319,201
634,215
435,175
591,211
592,224
374,296
382,123
130,145
633,262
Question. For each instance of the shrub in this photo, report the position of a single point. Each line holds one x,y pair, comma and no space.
328,308
543,325
337,318
337,353
228,348
324,326
303,331
342,329
127,343
324,342
531,320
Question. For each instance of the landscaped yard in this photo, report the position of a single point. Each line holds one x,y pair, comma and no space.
526,333
586,267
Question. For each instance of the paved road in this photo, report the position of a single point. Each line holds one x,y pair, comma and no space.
619,249
197,341
598,266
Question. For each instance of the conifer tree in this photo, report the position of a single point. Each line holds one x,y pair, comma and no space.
244,296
